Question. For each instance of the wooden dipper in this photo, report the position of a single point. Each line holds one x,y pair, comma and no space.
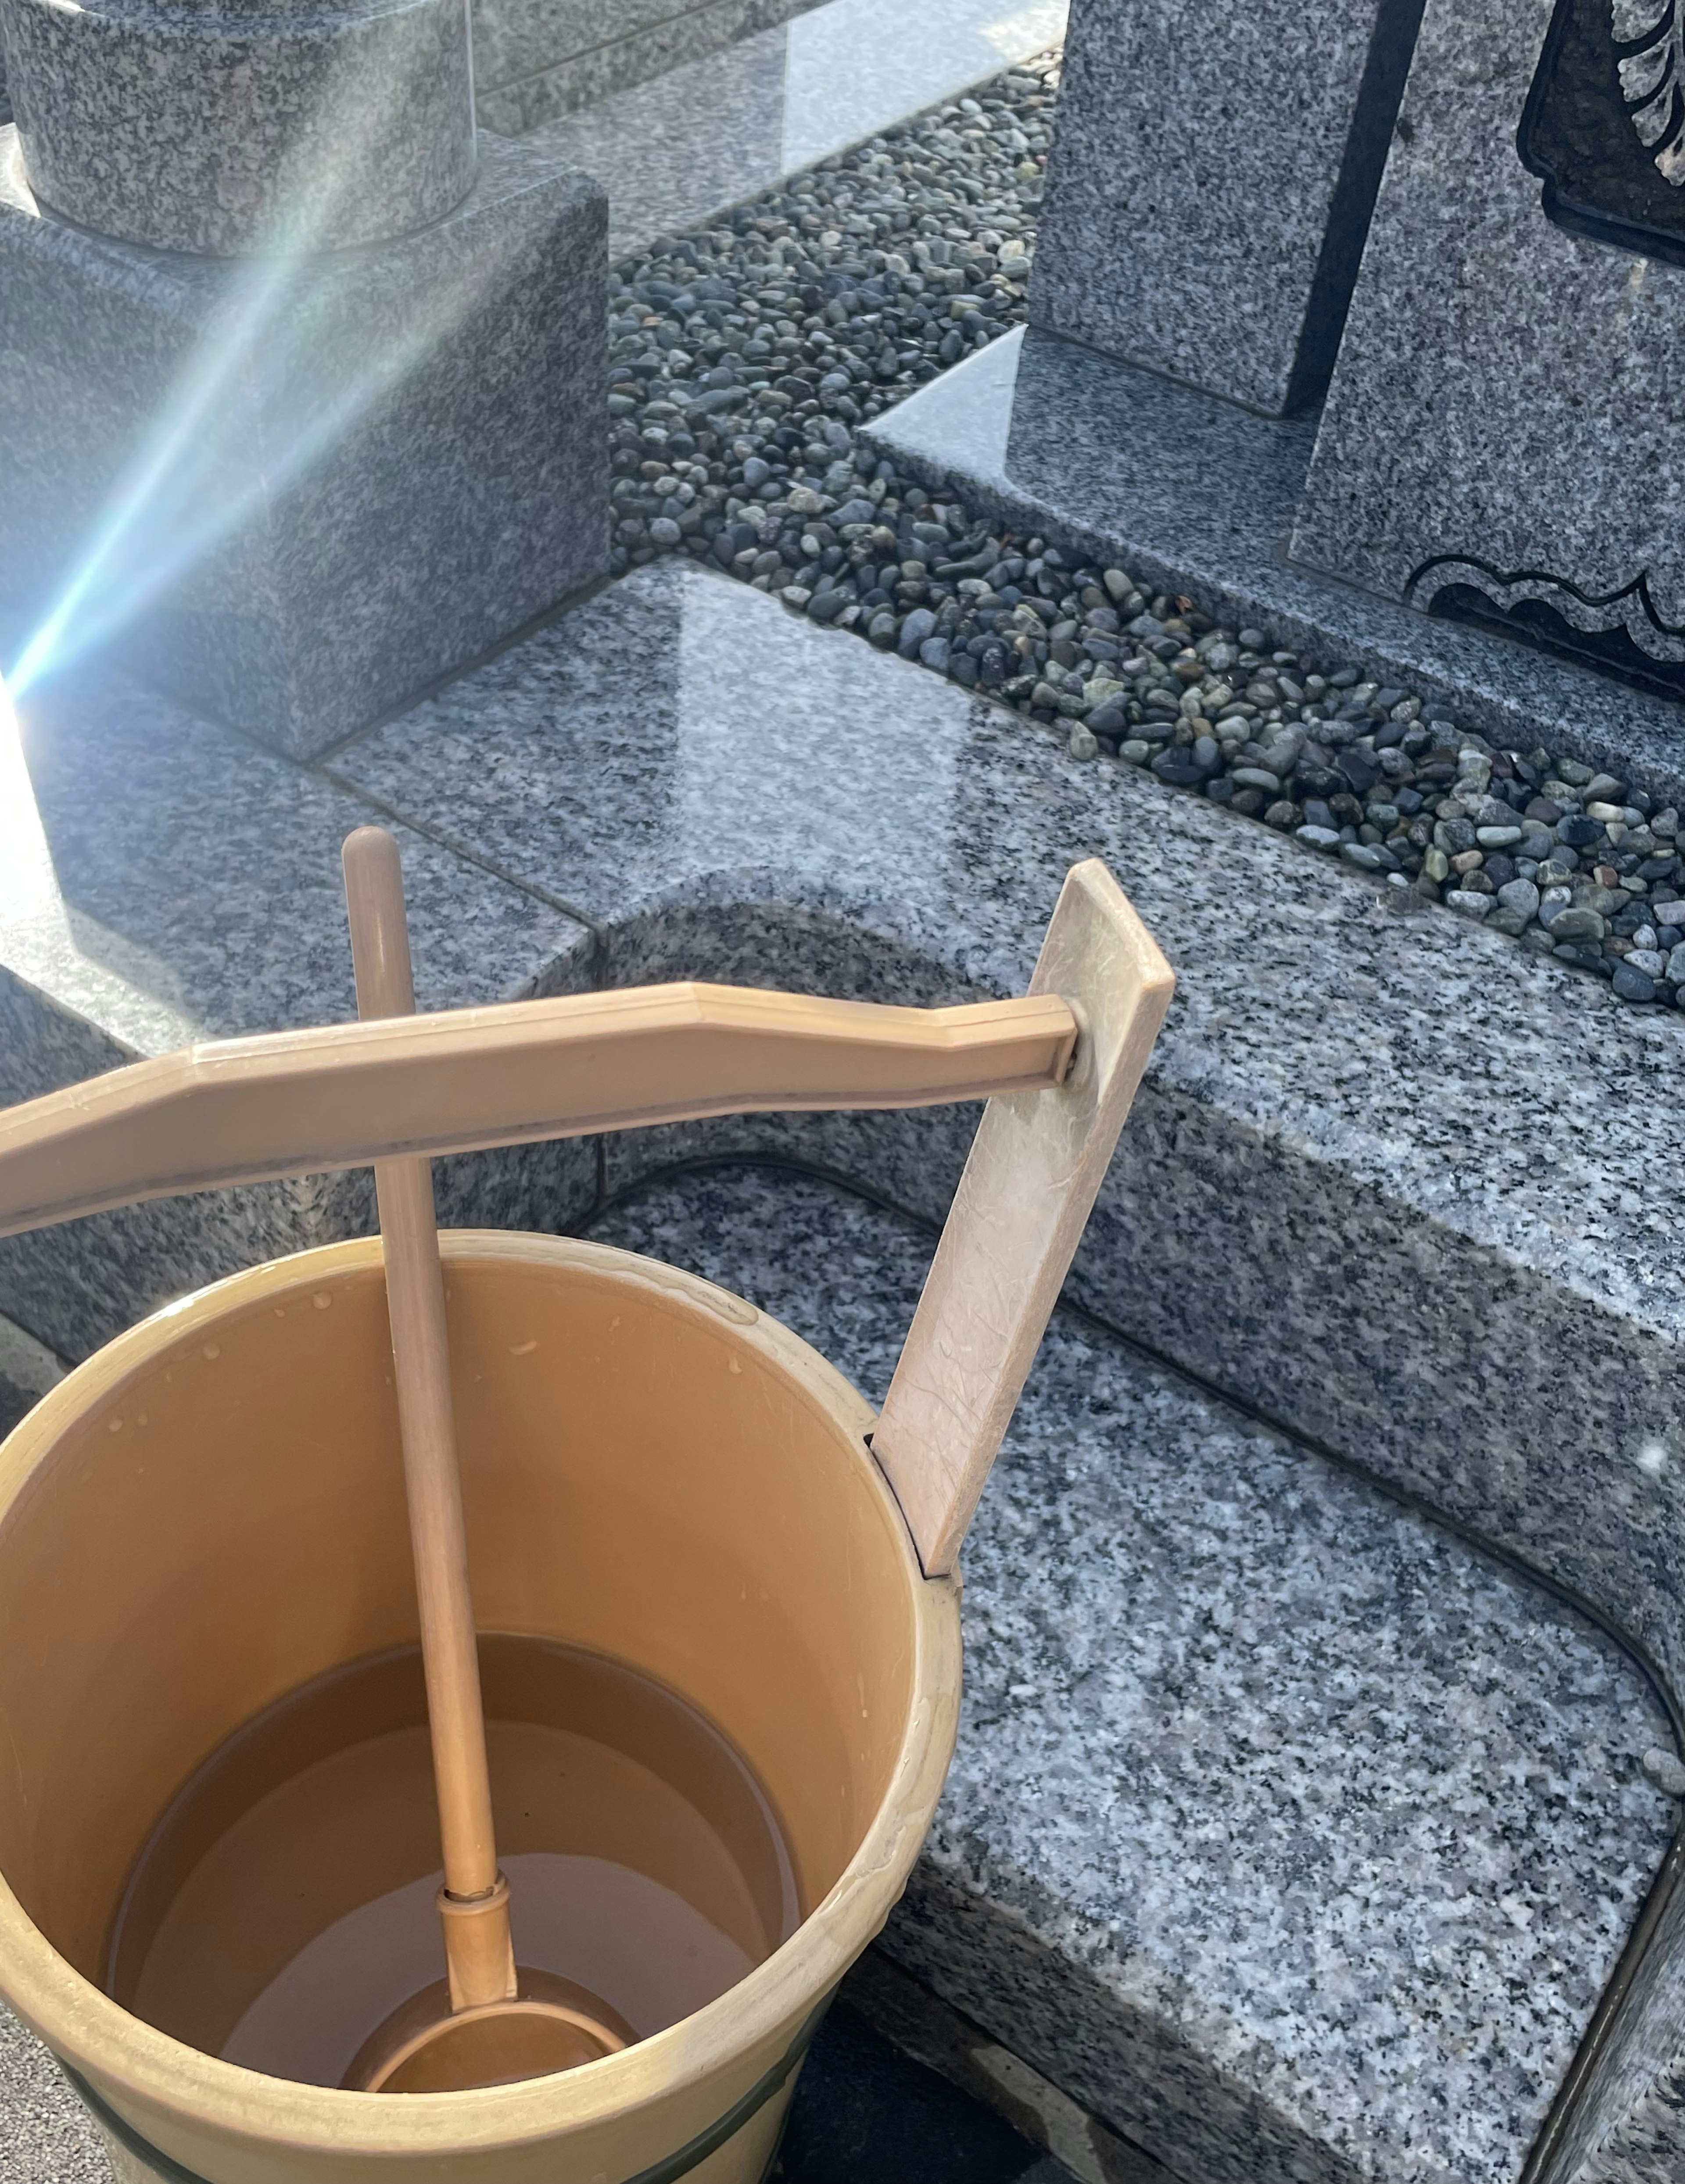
488,2023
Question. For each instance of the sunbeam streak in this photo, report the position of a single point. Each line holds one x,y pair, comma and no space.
248,415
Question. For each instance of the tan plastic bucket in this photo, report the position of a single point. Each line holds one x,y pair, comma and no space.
208,1514
203,1530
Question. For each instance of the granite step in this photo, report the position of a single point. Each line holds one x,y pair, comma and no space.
1404,1193
1405,1189
1292,1835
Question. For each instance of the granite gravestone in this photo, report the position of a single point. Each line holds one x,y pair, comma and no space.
1503,437
302,396
1211,182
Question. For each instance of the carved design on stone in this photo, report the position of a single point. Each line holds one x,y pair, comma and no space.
1650,56
1604,125
1620,633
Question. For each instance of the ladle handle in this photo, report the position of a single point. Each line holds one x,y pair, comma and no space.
1034,1168
480,1970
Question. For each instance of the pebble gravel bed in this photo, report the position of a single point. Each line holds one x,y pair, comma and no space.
744,355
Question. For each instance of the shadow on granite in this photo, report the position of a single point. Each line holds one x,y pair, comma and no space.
713,132
1195,496
1271,1908
27,1370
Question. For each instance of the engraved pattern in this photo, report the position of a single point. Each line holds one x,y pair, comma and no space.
1650,45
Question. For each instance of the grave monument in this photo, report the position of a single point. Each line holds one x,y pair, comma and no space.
1496,458
1212,231
1502,441
302,396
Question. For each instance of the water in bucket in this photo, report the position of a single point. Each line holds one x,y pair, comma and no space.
284,1907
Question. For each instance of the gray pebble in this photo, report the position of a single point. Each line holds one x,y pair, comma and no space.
1664,1770
919,624
1578,925
829,335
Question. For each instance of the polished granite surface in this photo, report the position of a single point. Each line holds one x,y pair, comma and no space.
680,778
1507,398
1487,1315
1194,495
174,882
706,135
1395,1184
299,489
1219,252
534,59
162,882
1269,1906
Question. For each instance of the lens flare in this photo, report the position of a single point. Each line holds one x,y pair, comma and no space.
249,414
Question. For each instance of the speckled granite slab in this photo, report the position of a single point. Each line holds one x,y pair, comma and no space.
1195,496
161,882
1405,1190
1221,252
1433,1170
1504,418
399,453
1285,1832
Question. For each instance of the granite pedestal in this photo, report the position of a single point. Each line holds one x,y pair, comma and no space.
1504,436
224,129
1195,497
297,490
1211,182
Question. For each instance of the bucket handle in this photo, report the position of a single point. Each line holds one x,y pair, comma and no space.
1062,1064
301,1102
1035,1169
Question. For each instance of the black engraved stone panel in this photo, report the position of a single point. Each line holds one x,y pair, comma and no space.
1603,126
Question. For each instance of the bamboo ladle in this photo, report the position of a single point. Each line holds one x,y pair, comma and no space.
489,2022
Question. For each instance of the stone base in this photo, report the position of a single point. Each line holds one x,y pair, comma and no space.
535,59
296,494
1197,496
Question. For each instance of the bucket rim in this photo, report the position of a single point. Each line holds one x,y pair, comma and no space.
155,2080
